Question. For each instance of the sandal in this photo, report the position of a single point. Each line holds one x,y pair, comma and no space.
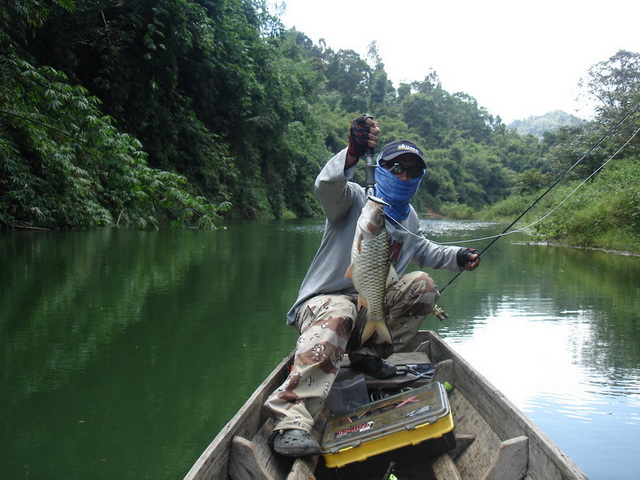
294,443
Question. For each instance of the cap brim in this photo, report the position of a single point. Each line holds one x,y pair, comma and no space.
400,152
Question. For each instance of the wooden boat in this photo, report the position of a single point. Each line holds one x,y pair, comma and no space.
494,440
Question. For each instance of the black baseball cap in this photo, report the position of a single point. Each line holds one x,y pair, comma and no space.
400,147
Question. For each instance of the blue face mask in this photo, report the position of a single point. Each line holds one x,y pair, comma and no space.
396,192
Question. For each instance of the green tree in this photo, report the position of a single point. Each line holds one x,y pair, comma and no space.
64,165
218,92
614,83
615,86
349,75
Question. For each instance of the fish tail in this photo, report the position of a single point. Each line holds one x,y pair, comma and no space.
376,327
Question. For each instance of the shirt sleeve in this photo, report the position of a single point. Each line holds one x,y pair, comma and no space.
333,189
431,254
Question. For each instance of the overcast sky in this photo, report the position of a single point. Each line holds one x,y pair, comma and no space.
516,58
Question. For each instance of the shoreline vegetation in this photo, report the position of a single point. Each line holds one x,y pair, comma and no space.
188,114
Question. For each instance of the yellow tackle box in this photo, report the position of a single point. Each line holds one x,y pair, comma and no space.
407,418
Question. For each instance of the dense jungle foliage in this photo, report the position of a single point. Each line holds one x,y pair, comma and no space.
150,112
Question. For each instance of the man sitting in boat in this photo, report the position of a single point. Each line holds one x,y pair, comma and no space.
326,312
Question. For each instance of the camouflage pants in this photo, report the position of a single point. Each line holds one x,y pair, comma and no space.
325,324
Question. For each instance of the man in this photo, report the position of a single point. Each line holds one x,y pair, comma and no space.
326,313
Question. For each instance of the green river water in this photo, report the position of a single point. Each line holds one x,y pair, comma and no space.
124,352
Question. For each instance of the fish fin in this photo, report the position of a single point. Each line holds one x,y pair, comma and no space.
362,302
349,272
367,331
392,276
383,332
378,327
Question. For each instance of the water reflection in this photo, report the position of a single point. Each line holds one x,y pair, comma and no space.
559,339
123,349
124,352
521,331
451,228
315,227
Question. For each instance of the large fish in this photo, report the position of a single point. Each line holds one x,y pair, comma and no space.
371,269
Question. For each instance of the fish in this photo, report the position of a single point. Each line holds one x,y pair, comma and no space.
371,269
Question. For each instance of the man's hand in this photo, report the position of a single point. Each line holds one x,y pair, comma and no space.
362,134
468,258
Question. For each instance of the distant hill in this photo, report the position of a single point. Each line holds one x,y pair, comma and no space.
536,126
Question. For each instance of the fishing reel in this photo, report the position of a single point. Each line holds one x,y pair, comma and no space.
439,313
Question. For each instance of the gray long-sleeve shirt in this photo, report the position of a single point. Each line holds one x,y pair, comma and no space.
342,202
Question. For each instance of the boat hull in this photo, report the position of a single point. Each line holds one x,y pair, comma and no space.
494,439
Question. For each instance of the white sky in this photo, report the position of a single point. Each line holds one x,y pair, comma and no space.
516,58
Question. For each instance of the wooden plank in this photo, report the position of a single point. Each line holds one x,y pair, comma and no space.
511,461
303,468
488,401
423,347
244,462
444,372
444,468
463,441
404,358
476,459
277,466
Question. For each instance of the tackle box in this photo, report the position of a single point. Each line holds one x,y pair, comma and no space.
408,418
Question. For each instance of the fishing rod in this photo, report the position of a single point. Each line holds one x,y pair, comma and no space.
558,180
369,168
370,173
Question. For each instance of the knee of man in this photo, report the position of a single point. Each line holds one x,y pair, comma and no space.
337,310
422,281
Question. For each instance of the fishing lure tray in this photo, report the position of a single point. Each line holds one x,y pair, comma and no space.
419,416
